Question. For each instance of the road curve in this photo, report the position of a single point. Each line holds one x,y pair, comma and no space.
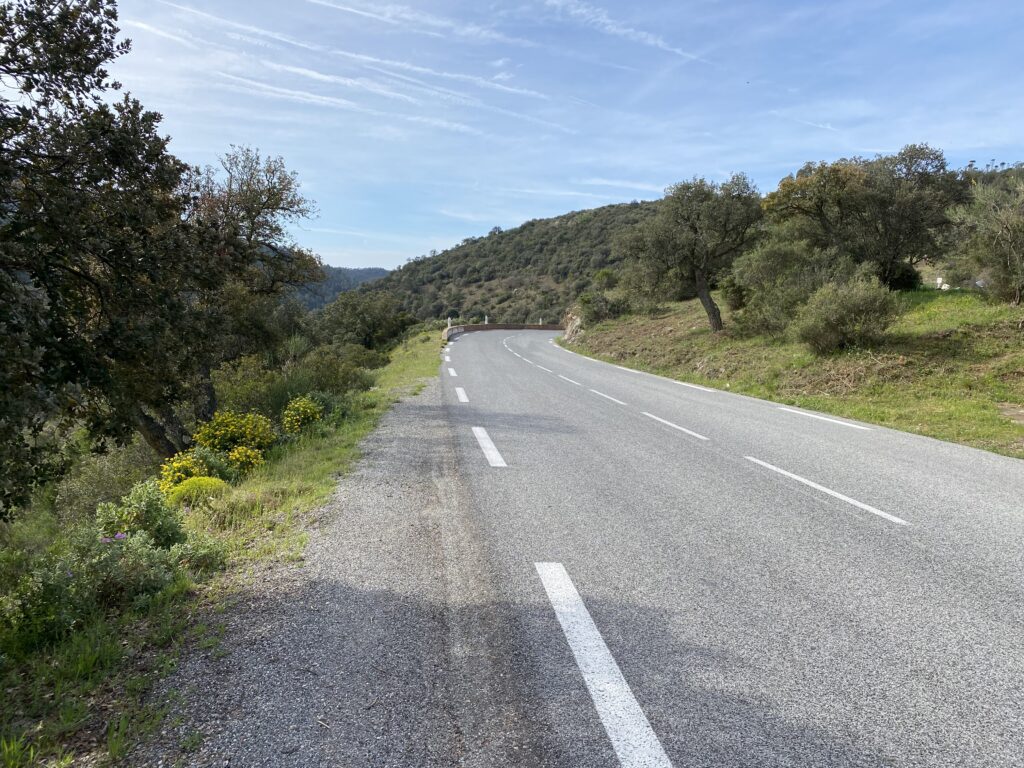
703,579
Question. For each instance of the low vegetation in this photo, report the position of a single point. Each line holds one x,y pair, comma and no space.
950,367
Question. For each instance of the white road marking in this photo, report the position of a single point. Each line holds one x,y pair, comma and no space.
608,397
824,418
830,492
624,368
695,386
528,361
674,426
451,372
518,355
634,741
570,380
544,369
447,359
461,394
487,446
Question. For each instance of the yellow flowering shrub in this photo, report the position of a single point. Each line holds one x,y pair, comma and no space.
245,458
228,430
180,467
299,412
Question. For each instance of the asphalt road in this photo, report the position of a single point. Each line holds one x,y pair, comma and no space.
695,578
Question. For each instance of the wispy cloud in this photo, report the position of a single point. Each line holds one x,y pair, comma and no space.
305,97
178,38
621,184
599,19
426,23
364,84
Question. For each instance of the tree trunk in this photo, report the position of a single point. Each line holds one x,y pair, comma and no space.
207,404
154,433
704,294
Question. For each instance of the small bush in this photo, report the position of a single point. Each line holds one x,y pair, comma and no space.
99,477
143,510
179,468
594,307
228,430
300,412
197,491
842,316
201,554
216,463
245,458
82,578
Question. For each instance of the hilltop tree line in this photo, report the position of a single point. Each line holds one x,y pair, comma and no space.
129,279
821,255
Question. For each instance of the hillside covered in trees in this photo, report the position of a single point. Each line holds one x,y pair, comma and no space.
535,270
336,281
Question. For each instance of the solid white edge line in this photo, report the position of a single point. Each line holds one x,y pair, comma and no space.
607,397
674,426
461,394
451,372
823,418
487,446
544,369
634,741
829,491
570,380
527,361
694,386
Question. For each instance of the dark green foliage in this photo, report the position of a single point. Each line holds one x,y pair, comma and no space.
516,275
700,229
370,320
595,307
841,316
889,211
992,231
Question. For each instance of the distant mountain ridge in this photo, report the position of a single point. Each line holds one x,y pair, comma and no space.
336,280
518,275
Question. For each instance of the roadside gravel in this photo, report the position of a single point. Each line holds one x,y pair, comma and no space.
388,646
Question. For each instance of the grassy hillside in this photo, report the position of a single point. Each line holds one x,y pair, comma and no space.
534,270
952,367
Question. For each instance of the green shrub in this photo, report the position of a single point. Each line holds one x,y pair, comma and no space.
201,554
99,477
853,314
143,510
196,491
228,430
594,307
80,579
300,412
242,385
216,463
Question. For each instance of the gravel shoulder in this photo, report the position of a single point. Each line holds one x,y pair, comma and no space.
390,645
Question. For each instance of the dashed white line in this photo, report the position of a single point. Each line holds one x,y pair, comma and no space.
570,380
543,368
608,397
461,394
487,446
451,372
634,741
674,426
824,418
447,359
829,491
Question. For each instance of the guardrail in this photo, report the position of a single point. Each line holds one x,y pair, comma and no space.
450,333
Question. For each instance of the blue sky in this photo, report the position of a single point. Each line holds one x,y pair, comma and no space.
416,125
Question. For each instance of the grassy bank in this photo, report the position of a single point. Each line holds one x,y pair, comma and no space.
83,700
952,367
